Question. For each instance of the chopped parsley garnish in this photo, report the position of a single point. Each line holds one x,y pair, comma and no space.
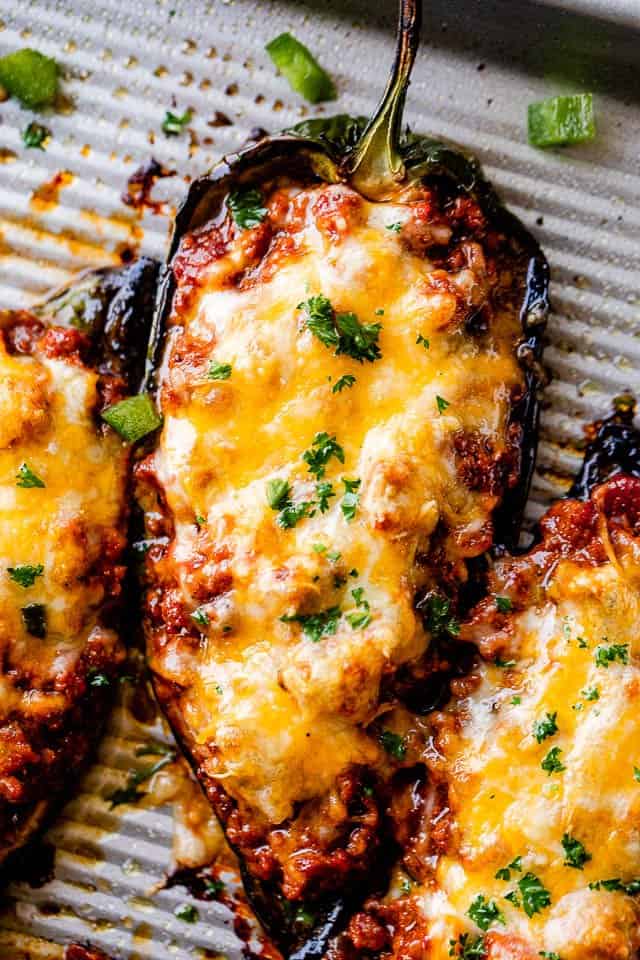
345,381
97,679
467,947
26,478
438,617
292,513
503,604
504,873
499,662
442,404
324,492
278,491
25,574
546,727
485,912
200,617
199,520
552,762
350,500
219,371
130,793
34,135
187,913
405,886
246,208
423,340
575,853
608,654
582,643
342,330
174,123
591,693
213,887
334,556
394,744
315,626
516,701
394,227
632,888
535,897
636,774
362,617
549,954
323,447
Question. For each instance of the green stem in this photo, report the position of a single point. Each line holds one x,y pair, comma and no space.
374,166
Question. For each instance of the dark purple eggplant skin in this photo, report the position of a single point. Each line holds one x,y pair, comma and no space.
614,449
114,307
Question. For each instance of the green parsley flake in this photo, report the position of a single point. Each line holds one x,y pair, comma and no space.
219,371
394,744
187,913
423,340
174,123
442,404
485,912
609,654
546,727
130,793
26,478
516,701
467,947
534,895
246,208
394,227
292,513
342,330
34,136
504,873
575,853
438,617
503,604
324,492
345,381
350,500
552,762
316,625
25,574
549,954
201,617
323,447
97,679
636,774
591,693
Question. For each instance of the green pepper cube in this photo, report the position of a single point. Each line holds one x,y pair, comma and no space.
133,418
30,77
301,69
561,120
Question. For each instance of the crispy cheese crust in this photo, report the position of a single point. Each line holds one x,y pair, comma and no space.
535,842
274,628
62,532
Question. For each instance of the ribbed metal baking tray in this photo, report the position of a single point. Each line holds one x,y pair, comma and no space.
62,209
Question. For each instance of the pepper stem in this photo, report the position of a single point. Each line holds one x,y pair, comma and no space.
375,166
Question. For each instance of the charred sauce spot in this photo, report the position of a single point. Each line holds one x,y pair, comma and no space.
141,183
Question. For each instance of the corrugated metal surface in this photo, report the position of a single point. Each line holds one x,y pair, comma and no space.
479,67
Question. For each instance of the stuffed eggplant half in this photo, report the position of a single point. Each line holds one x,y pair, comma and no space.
63,524
346,366
520,819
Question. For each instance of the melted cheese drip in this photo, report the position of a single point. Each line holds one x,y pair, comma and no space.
285,714
506,806
47,422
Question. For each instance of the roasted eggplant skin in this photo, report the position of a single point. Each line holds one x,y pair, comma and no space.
89,338
325,152
604,497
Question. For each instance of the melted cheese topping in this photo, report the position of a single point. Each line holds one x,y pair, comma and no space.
277,715
47,421
505,805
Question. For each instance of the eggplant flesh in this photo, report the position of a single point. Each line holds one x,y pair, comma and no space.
583,567
62,360
316,155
